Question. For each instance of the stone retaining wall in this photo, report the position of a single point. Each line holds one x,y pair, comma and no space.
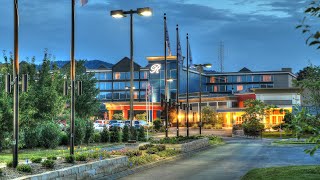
92,170
194,145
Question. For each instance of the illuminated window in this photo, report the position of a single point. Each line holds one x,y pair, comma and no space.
239,120
117,75
274,119
212,80
239,87
215,88
266,78
135,95
280,119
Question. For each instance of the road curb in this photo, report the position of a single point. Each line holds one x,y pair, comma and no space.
155,164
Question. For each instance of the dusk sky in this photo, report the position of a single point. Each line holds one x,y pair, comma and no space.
257,34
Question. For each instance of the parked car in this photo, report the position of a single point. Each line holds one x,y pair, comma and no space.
139,123
99,122
100,127
119,124
113,121
127,123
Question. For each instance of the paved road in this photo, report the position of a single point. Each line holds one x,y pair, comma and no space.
230,161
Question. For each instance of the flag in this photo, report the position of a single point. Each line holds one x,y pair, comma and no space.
167,38
83,2
179,48
190,56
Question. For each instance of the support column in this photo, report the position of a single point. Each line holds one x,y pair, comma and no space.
110,114
125,113
154,114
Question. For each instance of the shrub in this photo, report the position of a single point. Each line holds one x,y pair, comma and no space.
115,135
80,131
157,124
133,133
168,153
139,160
105,135
69,158
133,153
36,159
152,150
9,164
89,132
31,136
24,168
252,128
160,147
218,126
207,126
48,163
96,137
145,147
52,157
81,157
125,134
64,139
50,135
141,135
237,127
194,126
1,172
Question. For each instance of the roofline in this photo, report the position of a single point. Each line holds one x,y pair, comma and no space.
246,73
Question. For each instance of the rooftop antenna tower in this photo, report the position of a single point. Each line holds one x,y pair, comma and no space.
221,55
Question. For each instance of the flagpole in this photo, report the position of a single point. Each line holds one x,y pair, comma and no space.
165,72
177,80
72,77
16,86
187,85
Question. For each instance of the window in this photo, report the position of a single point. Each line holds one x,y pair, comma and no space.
239,87
102,76
213,104
96,75
274,119
135,95
116,75
238,78
212,80
239,120
266,78
144,75
256,78
222,88
215,88
222,104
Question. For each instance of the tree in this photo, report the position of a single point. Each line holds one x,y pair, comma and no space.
313,35
142,116
117,116
209,115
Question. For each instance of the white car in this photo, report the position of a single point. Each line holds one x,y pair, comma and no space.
100,127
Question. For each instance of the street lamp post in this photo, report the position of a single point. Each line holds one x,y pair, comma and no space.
200,69
120,14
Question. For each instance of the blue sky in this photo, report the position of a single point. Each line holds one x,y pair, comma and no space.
257,34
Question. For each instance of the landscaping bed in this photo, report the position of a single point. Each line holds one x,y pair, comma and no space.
287,172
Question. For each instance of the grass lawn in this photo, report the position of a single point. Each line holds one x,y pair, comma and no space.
60,151
276,135
287,172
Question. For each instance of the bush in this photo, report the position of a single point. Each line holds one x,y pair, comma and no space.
152,150
105,135
50,135
89,132
157,124
194,126
125,134
64,139
31,136
69,158
1,172
96,137
160,147
80,131
133,133
52,157
218,126
114,135
139,160
141,135
252,128
145,147
168,153
24,168
48,163
133,153
207,126
9,164
36,159
81,157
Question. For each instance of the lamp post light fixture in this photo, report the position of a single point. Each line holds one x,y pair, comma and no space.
200,69
146,11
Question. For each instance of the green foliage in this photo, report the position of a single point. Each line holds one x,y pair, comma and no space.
32,136
252,128
36,159
24,168
175,140
133,153
133,133
48,163
52,157
145,147
214,140
114,135
209,115
141,135
50,135
6,116
1,172
160,147
81,157
140,160
125,134
96,137
9,164
157,124
69,159
105,135
89,132
207,126
142,116
80,130
64,139
168,153
152,150
117,116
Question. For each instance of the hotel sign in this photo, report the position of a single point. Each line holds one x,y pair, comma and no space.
155,68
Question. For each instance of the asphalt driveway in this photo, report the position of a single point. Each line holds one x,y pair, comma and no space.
230,161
